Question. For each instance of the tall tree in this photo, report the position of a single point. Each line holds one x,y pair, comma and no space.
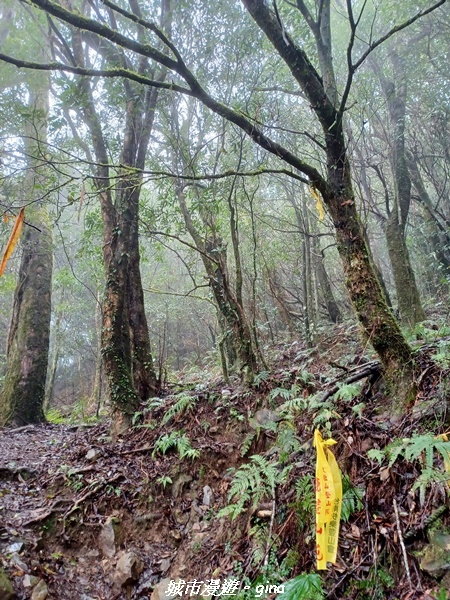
128,362
398,204
23,393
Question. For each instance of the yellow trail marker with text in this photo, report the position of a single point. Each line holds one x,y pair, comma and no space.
328,501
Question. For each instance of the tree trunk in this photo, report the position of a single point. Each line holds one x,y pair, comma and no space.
278,295
324,283
378,323
51,375
127,358
409,305
438,236
116,334
213,256
23,394
96,394
144,375
408,297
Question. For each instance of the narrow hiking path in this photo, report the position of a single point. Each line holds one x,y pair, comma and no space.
82,517
40,471
86,517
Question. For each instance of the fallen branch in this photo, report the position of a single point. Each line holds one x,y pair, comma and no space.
90,493
18,429
356,374
402,544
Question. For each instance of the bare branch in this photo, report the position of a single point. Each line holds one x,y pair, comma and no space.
197,90
395,30
118,72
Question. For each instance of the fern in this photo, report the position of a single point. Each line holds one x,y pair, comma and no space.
259,535
293,406
154,403
423,449
347,391
260,378
282,392
287,441
185,449
306,499
164,480
305,377
247,442
351,499
184,403
324,412
177,440
165,442
252,482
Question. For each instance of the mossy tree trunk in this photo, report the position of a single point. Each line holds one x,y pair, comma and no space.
233,318
125,340
378,323
408,297
23,394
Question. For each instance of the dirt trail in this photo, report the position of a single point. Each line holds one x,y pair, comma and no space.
85,517
35,463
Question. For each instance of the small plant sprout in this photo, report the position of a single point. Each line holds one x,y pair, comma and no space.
164,480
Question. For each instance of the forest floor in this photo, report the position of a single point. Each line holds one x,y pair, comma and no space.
87,517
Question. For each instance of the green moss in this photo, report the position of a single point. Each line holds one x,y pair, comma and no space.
5,584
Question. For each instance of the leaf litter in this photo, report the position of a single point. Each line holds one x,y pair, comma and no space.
76,505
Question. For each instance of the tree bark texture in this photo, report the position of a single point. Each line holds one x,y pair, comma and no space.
127,358
23,394
437,233
324,284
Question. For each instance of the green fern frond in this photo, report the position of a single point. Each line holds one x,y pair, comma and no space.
177,440
293,406
281,392
184,403
247,442
351,499
252,482
260,378
421,448
305,498
348,391
287,441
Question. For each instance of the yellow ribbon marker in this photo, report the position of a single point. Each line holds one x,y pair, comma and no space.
319,204
328,501
13,239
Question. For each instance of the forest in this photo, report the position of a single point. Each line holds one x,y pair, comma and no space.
225,234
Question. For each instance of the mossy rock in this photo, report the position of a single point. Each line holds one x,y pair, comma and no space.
6,589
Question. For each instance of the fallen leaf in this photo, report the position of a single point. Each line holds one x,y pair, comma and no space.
384,473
